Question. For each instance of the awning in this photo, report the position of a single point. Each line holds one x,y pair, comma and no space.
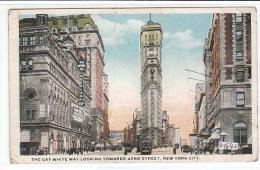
205,141
214,137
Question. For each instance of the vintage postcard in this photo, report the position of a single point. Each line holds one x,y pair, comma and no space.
133,85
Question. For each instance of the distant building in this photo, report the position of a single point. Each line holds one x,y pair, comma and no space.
177,136
171,135
200,93
116,137
165,128
105,134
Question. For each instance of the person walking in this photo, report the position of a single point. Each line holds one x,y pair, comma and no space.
174,151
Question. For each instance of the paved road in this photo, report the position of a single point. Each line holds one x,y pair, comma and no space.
158,151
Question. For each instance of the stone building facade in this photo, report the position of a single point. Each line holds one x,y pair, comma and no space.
165,128
90,46
62,107
151,82
227,59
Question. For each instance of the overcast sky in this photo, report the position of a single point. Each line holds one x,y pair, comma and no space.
182,45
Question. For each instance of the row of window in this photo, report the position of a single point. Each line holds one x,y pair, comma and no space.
31,40
240,99
26,64
239,37
240,132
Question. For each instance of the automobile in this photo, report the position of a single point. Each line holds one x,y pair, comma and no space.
146,146
128,147
176,145
119,147
186,148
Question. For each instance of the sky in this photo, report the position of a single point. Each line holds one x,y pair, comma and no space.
183,38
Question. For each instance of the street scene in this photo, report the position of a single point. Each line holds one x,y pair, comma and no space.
135,84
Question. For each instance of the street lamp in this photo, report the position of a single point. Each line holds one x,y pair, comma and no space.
138,142
223,135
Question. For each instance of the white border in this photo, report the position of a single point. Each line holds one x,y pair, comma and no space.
4,117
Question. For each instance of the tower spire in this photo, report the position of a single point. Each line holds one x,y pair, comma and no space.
150,17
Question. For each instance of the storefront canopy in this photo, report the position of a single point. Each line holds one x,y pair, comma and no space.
214,137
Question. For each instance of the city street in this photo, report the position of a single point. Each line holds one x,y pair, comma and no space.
158,151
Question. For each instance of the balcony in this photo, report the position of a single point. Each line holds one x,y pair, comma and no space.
32,48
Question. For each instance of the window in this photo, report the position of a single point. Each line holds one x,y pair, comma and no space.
74,28
239,56
239,18
239,36
24,41
30,114
79,40
23,65
240,76
64,29
30,64
240,99
32,40
87,42
240,132
249,72
54,30
41,39
20,41
239,46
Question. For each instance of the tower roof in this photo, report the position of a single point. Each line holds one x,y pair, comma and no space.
150,22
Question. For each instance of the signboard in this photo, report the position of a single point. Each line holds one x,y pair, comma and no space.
44,139
228,145
25,136
42,110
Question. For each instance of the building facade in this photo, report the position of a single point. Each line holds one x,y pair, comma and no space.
106,132
171,135
151,82
177,136
90,46
199,107
54,97
227,59
117,137
165,128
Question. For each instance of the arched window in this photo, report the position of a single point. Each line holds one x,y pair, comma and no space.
240,132
30,64
31,96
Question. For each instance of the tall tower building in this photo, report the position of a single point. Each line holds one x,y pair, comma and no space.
151,81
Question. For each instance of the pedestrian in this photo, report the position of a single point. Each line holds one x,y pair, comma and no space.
174,151
191,150
125,152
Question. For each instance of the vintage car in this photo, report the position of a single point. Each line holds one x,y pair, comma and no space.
128,147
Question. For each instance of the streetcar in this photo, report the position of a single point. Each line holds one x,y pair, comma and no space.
146,146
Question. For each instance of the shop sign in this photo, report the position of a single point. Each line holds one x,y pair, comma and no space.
42,110
44,139
25,136
228,145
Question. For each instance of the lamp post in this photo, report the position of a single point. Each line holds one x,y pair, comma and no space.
138,142
223,135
